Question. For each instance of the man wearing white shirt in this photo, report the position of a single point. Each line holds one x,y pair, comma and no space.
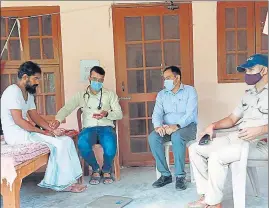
210,162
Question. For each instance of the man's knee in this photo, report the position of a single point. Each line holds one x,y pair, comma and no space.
110,150
214,159
82,142
83,134
153,137
66,139
177,138
109,143
63,143
110,147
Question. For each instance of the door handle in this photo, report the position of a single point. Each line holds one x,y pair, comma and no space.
125,98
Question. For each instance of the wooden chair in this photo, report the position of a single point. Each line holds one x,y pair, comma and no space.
116,167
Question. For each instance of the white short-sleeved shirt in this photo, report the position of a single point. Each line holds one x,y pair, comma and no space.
12,98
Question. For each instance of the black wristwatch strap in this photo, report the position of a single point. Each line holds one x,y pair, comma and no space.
178,126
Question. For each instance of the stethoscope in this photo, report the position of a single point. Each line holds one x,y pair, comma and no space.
88,95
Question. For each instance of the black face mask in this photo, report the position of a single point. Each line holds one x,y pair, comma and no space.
31,88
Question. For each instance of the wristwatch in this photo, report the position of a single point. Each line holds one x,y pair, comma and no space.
178,126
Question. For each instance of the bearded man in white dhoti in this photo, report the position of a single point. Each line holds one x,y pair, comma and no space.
17,101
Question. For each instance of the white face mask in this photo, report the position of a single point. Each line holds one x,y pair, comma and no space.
169,84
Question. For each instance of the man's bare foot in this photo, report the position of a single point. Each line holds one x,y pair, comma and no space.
78,188
214,206
202,204
75,188
198,204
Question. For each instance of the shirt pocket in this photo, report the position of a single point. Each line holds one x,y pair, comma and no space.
175,105
181,105
168,107
246,103
262,105
86,110
245,106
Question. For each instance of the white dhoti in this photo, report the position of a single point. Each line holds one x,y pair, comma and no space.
63,167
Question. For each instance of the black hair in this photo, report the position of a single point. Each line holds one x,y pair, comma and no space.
29,68
175,70
98,70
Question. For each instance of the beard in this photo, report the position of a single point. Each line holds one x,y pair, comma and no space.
31,88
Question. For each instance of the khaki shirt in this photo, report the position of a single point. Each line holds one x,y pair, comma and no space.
253,108
89,105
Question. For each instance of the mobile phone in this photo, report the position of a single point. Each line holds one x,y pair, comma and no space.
204,140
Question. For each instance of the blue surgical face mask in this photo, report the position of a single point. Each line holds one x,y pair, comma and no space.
169,84
96,86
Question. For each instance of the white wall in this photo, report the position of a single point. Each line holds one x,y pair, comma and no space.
215,100
87,34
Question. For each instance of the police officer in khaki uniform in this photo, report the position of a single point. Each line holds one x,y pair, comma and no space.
210,162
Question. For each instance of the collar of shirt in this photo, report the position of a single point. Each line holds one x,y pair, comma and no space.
95,98
171,93
253,89
104,91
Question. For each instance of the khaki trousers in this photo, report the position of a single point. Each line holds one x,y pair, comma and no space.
210,164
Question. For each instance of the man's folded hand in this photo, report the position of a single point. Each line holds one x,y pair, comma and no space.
160,131
54,124
48,133
170,129
59,132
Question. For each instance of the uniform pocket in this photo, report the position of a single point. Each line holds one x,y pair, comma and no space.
262,106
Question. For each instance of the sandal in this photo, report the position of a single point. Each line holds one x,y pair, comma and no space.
108,179
95,180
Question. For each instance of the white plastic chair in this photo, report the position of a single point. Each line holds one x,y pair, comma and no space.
167,156
253,175
252,164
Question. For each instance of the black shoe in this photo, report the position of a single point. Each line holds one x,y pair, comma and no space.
162,181
181,183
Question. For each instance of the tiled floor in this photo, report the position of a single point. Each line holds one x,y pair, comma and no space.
134,183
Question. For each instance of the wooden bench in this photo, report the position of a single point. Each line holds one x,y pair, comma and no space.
11,195
11,198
